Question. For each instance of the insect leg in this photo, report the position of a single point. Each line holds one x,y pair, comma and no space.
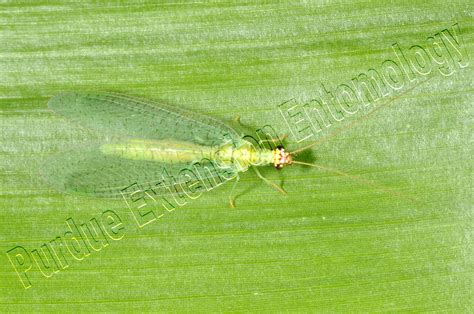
275,140
232,198
275,186
238,122
237,119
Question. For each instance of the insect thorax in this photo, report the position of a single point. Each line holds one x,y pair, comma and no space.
244,156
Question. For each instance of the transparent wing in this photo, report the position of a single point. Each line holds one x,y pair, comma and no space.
87,171
124,116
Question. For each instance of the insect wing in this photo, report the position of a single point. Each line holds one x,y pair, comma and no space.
123,116
88,171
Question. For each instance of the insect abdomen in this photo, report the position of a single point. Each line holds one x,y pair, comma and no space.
168,151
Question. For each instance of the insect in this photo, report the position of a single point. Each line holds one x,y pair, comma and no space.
141,139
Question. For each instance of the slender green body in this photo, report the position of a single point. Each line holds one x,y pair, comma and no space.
169,151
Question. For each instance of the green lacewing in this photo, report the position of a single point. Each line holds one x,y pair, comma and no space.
144,139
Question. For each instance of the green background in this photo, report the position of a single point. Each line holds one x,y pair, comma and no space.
332,244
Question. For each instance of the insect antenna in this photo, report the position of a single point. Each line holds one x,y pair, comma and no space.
356,179
357,121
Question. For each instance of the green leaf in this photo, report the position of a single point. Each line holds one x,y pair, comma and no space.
386,225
